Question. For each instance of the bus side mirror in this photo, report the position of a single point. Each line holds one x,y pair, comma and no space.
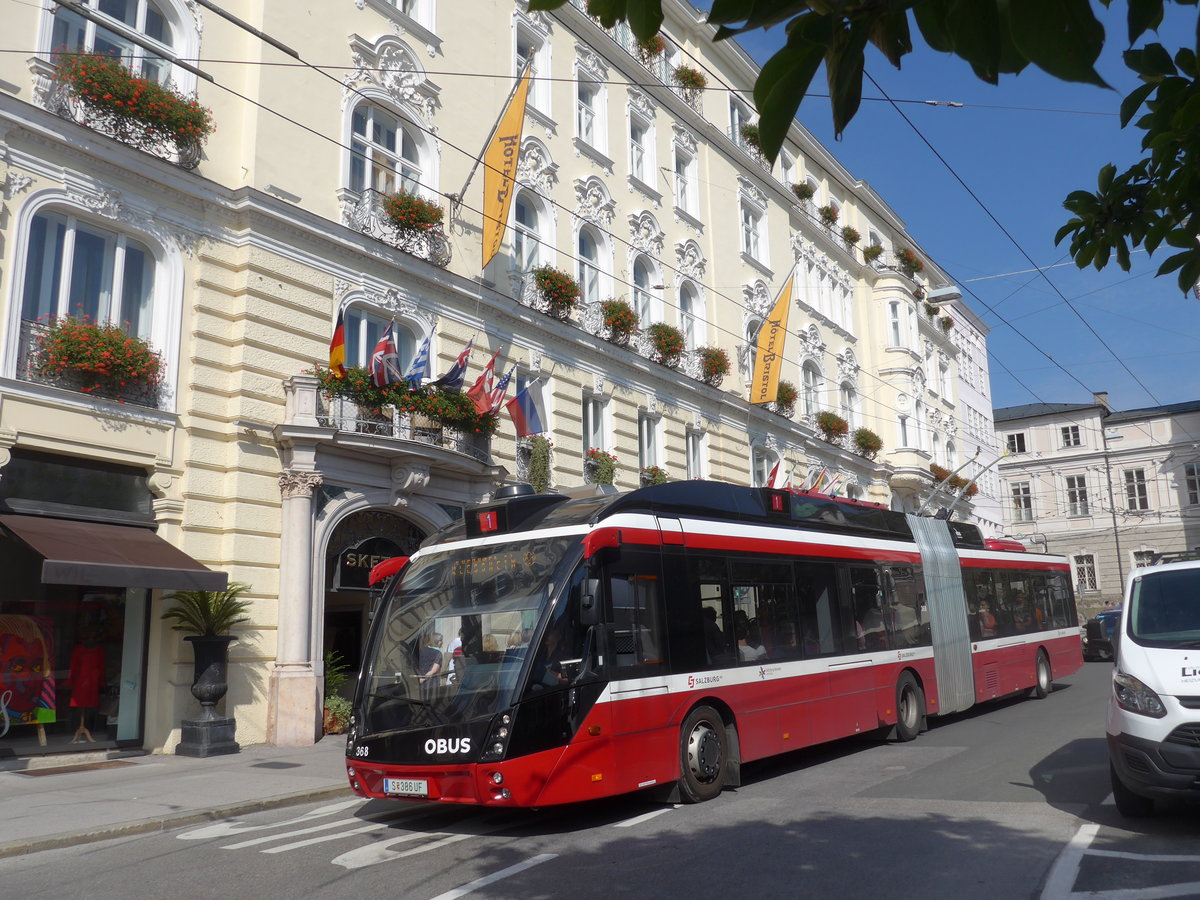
589,601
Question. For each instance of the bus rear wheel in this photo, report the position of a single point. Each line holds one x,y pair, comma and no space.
910,707
703,753
1041,687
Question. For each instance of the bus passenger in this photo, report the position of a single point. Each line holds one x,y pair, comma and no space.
429,663
987,622
714,637
750,646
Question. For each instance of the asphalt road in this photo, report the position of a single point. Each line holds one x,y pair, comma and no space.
1008,801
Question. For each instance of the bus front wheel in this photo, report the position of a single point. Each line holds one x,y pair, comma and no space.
910,707
703,752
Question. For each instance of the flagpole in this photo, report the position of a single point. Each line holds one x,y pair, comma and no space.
457,199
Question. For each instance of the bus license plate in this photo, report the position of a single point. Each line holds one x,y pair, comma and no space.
408,787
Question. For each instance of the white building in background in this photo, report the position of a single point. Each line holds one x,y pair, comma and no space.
1110,490
233,260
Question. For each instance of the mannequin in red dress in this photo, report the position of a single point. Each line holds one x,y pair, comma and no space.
87,675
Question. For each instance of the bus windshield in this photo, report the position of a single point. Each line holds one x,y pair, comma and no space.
452,640
1165,609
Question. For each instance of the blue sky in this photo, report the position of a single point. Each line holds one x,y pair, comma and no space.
1021,154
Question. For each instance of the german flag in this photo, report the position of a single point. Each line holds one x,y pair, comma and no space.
337,347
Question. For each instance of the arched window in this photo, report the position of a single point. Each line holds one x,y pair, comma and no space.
589,264
74,268
918,435
849,399
149,21
753,326
386,151
951,456
812,389
527,231
643,299
761,462
691,316
363,331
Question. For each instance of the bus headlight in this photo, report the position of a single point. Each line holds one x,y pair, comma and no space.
497,740
1131,694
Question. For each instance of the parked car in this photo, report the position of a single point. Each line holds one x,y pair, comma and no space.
1154,710
1100,634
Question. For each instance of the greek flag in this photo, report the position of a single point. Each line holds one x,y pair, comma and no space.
419,370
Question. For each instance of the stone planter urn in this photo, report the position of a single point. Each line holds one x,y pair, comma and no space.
211,734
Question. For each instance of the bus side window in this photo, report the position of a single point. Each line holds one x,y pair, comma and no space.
908,619
820,629
870,623
637,616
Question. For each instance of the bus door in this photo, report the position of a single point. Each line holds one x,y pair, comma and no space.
852,677
820,634
765,620
645,741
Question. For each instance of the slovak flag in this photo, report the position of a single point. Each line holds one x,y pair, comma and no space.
481,391
527,410
385,361
499,391
418,371
778,478
453,380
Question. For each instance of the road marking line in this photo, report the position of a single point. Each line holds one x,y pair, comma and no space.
1066,868
1161,892
645,817
495,876
225,829
1108,801
378,852
296,845
383,817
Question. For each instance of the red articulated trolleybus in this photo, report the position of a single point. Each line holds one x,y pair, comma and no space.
550,650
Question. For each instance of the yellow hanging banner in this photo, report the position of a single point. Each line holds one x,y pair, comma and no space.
500,170
768,357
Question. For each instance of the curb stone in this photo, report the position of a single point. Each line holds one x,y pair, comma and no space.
167,823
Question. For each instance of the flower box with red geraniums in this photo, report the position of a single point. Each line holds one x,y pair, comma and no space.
909,262
105,84
785,398
653,475
956,482
850,235
408,212
667,343
102,359
620,320
600,466
803,190
867,442
558,289
687,77
832,425
828,214
751,136
714,364
651,47
872,252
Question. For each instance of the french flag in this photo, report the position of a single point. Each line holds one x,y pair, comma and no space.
528,410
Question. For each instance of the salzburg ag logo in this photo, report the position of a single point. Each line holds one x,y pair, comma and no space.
448,745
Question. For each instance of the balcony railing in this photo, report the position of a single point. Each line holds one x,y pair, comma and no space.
365,213
63,100
345,415
28,345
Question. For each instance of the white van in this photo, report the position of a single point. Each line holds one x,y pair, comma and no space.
1154,710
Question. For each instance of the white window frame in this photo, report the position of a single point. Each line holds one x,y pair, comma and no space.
184,43
685,187
753,222
812,384
591,116
694,441
649,439
1137,489
1021,500
643,161
1139,559
1087,575
539,94
529,244
1015,442
646,301
1076,489
1070,436
592,275
762,461
691,315
594,422
413,175
1191,475
364,328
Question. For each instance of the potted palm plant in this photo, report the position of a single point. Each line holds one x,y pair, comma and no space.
336,712
206,619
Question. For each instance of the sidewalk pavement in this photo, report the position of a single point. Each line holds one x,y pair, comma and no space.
59,804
